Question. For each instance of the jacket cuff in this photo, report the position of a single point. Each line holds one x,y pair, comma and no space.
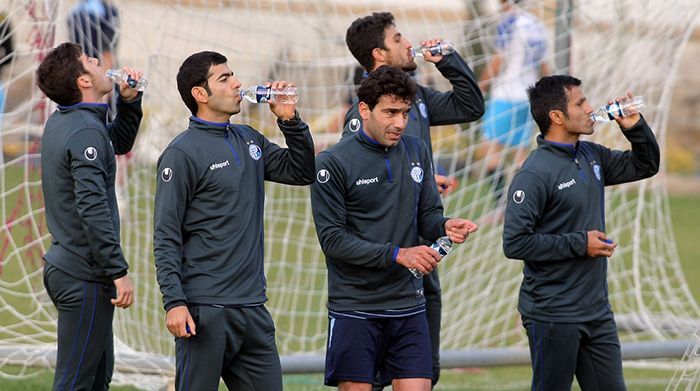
290,123
174,304
119,275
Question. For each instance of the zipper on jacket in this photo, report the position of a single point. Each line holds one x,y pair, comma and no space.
581,173
238,161
390,176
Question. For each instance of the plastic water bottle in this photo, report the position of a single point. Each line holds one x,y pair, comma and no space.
262,94
442,49
118,75
623,108
443,246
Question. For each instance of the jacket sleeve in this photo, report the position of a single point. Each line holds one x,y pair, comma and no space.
330,217
639,163
431,219
527,200
293,165
122,131
464,103
89,158
176,184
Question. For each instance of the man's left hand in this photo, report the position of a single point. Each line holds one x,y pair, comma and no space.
459,229
128,93
280,110
630,120
426,53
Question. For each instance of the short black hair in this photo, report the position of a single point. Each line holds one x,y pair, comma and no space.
194,71
367,33
386,80
57,75
548,94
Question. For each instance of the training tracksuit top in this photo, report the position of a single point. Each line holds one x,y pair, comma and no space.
553,201
78,170
368,200
208,232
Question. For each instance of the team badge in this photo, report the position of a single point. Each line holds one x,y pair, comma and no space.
322,176
417,174
167,174
596,171
254,151
90,153
423,109
354,125
519,196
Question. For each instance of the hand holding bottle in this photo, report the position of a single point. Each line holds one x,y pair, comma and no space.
433,50
130,81
625,110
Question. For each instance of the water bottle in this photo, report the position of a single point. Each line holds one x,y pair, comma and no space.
623,108
262,94
443,246
118,75
442,49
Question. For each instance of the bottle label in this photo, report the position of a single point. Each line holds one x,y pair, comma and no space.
439,248
262,94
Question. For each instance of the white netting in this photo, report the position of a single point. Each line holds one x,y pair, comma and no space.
615,46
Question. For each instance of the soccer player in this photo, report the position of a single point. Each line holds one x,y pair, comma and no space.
208,233
374,195
85,272
555,223
374,41
519,59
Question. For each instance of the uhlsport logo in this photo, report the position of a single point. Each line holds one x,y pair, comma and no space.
366,181
216,166
254,151
567,184
354,125
167,174
519,196
322,176
90,153
417,174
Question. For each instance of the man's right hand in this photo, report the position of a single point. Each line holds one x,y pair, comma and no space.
125,292
177,319
597,247
422,258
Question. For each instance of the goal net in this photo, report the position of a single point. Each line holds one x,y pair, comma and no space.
612,46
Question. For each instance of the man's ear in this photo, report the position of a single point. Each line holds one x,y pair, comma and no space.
557,117
364,110
200,94
84,81
378,56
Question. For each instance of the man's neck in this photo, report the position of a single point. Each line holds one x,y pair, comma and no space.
560,136
213,117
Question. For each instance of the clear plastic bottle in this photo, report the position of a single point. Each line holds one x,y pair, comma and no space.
443,246
262,94
118,75
623,108
443,48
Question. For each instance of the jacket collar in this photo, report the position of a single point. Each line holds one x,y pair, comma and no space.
219,128
97,110
370,143
561,149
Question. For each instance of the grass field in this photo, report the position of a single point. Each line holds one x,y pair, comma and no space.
685,211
